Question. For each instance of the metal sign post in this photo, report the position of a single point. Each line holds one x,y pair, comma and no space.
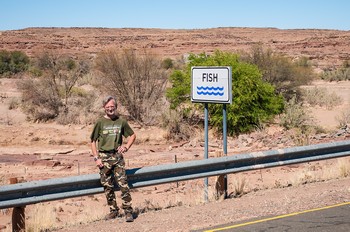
212,85
224,137
206,147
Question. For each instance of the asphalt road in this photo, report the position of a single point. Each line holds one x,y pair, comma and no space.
335,218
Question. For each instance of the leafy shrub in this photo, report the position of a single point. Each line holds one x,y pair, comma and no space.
13,62
181,88
295,115
167,63
254,101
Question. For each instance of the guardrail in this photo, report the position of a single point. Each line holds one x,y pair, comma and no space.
22,194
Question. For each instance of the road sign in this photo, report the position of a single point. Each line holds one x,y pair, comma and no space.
211,84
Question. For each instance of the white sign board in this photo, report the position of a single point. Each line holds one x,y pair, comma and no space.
211,84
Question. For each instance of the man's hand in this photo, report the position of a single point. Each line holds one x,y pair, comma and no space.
122,149
98,162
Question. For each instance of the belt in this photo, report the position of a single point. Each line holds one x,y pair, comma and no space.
108,152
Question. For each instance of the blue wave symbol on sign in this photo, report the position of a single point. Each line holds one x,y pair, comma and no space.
210,88
206,90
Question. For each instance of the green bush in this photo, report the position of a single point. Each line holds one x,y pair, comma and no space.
253,100
13,62
167,63
5,60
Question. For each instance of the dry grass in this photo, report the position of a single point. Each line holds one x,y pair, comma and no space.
315,173
318,96
239,187
344,118
46,216
41,218
344,167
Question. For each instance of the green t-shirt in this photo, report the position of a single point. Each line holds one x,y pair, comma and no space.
109,133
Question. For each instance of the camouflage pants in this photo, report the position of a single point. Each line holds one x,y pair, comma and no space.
114,170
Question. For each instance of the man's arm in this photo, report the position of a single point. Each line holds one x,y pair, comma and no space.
95,154
131,140
94,149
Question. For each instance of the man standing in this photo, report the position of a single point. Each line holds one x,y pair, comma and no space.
108,149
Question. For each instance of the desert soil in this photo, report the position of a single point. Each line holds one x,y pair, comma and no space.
32,151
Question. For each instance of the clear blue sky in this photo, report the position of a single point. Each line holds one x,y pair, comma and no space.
175,14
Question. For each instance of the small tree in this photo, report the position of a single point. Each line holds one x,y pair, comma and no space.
280,71
62,73
48,96
138,80
39,102
254,101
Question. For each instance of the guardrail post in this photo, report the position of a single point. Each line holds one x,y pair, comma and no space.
220,183
18,215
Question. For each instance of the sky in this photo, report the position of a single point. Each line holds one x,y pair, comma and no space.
175,14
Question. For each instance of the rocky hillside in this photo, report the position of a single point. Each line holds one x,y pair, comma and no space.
326,48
